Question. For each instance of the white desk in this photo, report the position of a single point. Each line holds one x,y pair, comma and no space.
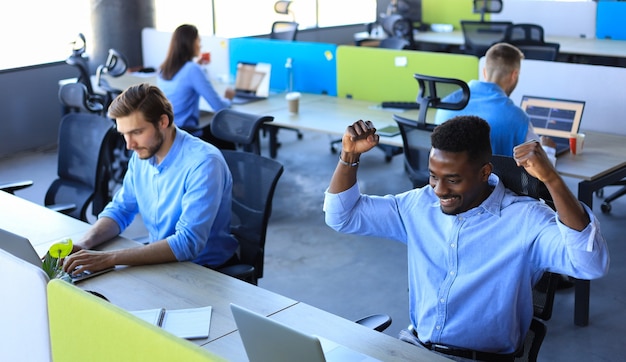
568,45
186,285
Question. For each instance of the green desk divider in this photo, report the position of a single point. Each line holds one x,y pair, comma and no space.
377,75
314,65
84,327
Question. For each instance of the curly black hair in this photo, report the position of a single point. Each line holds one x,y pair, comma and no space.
464,134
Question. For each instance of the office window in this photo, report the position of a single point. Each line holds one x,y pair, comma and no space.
343,12
40,31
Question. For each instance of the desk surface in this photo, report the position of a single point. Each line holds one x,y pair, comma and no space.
185,285
568,45
602,154
311,320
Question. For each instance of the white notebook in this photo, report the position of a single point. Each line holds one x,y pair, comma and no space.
187,323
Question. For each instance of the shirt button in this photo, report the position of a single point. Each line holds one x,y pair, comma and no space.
452,272
442,300
452,245
437,327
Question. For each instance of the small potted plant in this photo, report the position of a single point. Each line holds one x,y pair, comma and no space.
52,261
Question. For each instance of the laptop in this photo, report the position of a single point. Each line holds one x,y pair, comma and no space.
20,247
555,118
252,82
266,340
23,249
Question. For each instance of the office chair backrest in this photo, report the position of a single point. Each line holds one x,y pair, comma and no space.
80,60
524,34
432,91
519,181
254,182
115,66
74,97
394,43
480,35
239,127
545,51
82,170
397,26
415,151
284,30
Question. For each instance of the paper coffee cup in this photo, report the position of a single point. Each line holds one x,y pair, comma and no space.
576,143
293,101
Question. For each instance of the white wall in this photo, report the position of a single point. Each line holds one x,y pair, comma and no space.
558,18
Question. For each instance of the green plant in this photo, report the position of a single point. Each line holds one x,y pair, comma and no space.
52,261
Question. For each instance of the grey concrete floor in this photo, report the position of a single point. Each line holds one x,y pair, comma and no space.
356,276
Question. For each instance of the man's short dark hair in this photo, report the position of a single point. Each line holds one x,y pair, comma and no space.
144,98
464,134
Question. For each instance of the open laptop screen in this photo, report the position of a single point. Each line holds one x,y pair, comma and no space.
253,79
553,117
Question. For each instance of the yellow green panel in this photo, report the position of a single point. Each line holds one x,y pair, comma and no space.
449,12
371,74
84,327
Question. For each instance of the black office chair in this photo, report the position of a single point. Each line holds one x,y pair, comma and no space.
80,60
82,170
254,182
519,181
532,342
284,30
115,66
529,39
432,90
240,128
478,36
483,7
74,97
397,26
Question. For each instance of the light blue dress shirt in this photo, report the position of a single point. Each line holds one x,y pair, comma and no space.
186,199
471,274
509,123
184,91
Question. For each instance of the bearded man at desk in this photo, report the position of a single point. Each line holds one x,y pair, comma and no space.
180,184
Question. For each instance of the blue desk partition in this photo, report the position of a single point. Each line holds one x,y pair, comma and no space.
610,20
314,64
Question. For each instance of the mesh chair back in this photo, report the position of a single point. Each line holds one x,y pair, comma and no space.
239,127
254,181
480,35
545,51
284,30
82,161
415,153
75,97
524,34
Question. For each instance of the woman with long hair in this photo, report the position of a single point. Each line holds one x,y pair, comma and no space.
183,81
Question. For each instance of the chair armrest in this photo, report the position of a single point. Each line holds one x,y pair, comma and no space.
62,208
377,322
11,187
